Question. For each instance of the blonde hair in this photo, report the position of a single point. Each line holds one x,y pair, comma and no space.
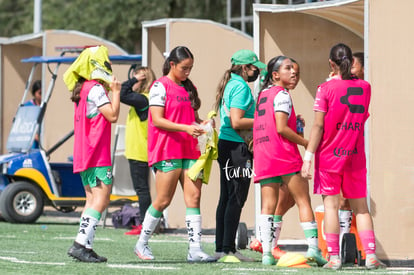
146,83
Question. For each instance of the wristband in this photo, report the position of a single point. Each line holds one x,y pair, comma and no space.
308,156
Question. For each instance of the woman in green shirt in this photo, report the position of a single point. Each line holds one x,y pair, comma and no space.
236,104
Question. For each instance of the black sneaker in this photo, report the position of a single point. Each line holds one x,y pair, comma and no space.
100,258
80,253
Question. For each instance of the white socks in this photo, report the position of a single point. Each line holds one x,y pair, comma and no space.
86,231
266,231
193,223
345,219
148,226
311,233
277,228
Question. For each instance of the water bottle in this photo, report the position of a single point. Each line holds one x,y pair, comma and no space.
299,125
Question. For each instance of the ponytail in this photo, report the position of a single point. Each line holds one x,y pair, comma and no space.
236,69
345,68
75,97
192,91
341,55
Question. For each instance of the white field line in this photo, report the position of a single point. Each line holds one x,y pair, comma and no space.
295,270
15,260
352,270
7,236
110,240
73,237
388,270
347,270
400,272
151,267
401,268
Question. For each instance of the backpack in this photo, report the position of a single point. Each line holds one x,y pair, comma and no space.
126,217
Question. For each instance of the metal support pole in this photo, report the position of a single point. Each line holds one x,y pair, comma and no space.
37,16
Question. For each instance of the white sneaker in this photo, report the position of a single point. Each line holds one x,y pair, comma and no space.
198,255
241,257
372,262
143,251
334,263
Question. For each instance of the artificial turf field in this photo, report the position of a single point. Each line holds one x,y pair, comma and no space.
40,248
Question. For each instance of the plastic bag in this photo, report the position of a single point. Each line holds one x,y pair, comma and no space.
206,137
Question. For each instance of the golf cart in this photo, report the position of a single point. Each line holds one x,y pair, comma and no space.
28,181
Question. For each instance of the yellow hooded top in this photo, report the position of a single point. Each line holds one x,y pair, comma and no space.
205,161
92,63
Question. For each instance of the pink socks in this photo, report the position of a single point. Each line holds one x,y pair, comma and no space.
368,241
332,242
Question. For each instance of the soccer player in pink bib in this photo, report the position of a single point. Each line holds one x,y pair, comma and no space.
89,80
285,199
337,141
172,150
277,158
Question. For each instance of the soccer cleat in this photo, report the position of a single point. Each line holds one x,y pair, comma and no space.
94,254
374,263
334,263
143,251
256,245
199,256
268,259
277,252
314,254
136,230
82,254
241,257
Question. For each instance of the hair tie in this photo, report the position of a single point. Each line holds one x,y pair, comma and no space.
344,57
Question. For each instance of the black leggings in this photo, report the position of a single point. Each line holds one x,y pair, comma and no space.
235,174
140,179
